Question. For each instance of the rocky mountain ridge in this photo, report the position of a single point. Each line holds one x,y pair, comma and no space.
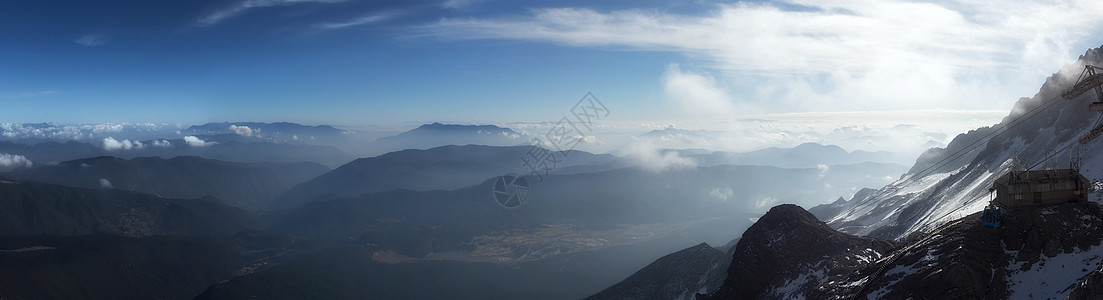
1049,252
946,184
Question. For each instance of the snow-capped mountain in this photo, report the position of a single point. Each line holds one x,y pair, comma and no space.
949,183
921,238
789,254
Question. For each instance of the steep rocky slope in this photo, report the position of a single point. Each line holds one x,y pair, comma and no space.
1036,253
790,254
678,275
1049,252
948,184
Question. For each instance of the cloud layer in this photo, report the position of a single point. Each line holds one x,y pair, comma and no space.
646,156
363,20
219,16
54,131
803,55
111,144
242,130
697,93
12,161
92,40
194,141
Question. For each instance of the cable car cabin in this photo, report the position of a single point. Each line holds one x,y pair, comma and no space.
990,218
1040,187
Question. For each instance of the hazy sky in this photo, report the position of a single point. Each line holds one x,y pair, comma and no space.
360,63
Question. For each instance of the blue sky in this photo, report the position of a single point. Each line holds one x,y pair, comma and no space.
143,61
364,63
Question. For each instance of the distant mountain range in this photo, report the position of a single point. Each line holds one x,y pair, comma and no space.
595,218
436,134
278,132
221,147
28,208
675,138
251,186
440,168
626,207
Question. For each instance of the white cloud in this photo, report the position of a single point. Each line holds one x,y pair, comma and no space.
697,93
364,20
162,144
66,132
842,34
458,4
102,128
765,201
857,54
646,156
722,194
193,141
242,130
104,183
219,16
27,94
823,169
12,161
92,40
111,144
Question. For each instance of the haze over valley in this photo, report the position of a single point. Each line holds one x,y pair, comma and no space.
476,149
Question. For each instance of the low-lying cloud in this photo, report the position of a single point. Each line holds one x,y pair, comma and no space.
644,155
722,194
194,141
765,202
242,130
13,161
111,144
90,132
104,183
161,144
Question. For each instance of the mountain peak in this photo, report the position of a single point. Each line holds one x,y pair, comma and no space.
777,247
812,146
442,126
439,134
791,215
